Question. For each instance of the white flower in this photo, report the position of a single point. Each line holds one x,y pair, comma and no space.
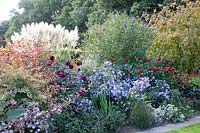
51,36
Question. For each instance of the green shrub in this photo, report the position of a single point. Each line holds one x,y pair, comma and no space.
178,36
140,115
118,36
93,122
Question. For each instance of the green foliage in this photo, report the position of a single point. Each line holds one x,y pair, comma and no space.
140,116
64,17
12,114
195,81
178,37
176,98
34,11
74,13
119,36
1,96
3,28
102,103
94,122
148,6
101,8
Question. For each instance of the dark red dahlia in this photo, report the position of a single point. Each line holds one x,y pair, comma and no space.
72,57
79,63
52,58
130,73
165,71
67,63
159,58
71,66
62,75
83,78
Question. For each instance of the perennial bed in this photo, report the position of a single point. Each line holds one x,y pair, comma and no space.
50,83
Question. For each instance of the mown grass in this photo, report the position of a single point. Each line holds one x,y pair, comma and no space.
195,128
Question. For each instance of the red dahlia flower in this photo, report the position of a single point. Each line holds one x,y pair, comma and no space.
130,73
72,57
52,58
156,69
79,63
71,66
83,78
159,58
67,63
165,71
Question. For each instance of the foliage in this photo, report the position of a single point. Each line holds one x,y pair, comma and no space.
118,36
29,66
165,71
95,121
47,85
13,114
140,115
140,6
178,37
101,9
3,28
33,11
195,82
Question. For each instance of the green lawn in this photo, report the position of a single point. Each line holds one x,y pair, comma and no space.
189,129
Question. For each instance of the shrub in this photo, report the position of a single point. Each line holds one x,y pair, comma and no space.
95,121
140,115
118,36
30,65
178,35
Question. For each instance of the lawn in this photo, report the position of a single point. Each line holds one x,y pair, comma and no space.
195,128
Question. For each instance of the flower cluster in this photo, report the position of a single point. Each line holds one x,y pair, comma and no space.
168,112
85,105
33,120
120,86
139,86
160,88
114,81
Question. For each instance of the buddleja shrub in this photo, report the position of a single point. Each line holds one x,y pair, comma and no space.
178,35
118,36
